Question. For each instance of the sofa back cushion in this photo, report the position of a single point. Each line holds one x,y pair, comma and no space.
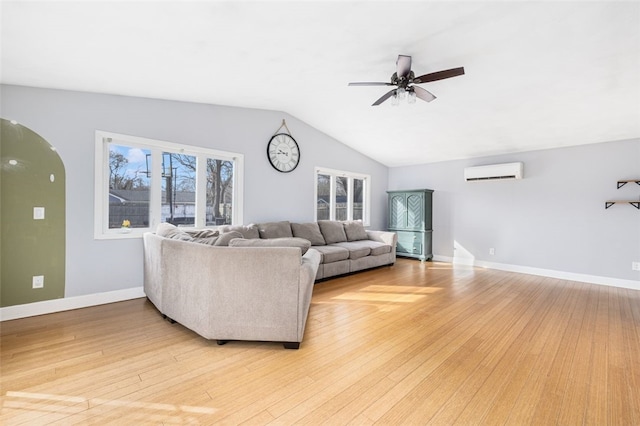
273,242
308,231
275,230
247,231
332,231
354,229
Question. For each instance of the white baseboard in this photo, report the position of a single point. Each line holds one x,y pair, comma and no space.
68,303
570,276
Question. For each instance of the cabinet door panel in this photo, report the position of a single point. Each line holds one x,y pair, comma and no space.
397,212
415,211
410,242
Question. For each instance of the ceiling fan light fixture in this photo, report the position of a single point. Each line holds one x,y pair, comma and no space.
402,94
411,97
395,101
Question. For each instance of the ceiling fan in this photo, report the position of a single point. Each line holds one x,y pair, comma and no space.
405,80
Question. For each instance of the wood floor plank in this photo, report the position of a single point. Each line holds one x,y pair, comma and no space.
597,404
416,343
544,348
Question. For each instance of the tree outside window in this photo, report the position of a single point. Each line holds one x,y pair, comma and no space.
143,182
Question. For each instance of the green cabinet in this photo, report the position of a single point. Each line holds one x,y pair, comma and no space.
410,218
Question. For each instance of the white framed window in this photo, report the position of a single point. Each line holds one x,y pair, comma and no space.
142,182
341,195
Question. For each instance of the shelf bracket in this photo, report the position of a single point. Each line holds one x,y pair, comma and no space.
635,204
622,183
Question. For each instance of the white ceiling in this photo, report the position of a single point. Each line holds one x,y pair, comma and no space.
538,74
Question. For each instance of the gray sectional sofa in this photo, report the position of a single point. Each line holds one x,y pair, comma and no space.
344,246
253,282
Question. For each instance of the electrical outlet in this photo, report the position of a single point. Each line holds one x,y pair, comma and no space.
38,213
38,281
492,251
635,266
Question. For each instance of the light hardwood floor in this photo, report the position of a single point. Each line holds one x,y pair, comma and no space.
410,344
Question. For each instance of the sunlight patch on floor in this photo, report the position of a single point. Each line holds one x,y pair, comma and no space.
402,289
395,294
72,405
380,297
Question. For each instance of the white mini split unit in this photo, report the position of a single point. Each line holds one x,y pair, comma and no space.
494,172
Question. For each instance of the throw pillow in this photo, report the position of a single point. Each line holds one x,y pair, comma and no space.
248,231
301,243
168,230
275,230
355,231
223,240
210,241
203,233
308,231
332,231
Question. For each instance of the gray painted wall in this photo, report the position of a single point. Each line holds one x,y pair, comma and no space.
552,219
68,120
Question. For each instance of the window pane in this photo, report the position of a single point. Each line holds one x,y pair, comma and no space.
342,187
128,186
219,192
324,197
357,198
178,189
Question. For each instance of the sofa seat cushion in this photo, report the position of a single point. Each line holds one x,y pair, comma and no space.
330,254
377,248
332,231
308,231
357,249
354,230
301,243
275,230
247,231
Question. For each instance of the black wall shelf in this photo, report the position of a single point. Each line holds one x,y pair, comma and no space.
620,184
635,204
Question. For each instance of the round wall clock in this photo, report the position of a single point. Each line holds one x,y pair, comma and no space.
283,152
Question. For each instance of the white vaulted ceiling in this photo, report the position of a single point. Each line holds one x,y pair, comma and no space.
538,74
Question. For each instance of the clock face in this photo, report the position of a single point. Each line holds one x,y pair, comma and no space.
283,152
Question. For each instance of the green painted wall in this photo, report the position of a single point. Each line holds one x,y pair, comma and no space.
32,175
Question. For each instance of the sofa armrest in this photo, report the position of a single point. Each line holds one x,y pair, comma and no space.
385,237
310,264
152,264
308,271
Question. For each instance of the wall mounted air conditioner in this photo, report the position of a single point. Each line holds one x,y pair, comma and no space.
494,171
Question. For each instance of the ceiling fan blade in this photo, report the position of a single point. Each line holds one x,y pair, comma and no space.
425,95
440,75
370,83
403,66
384,97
